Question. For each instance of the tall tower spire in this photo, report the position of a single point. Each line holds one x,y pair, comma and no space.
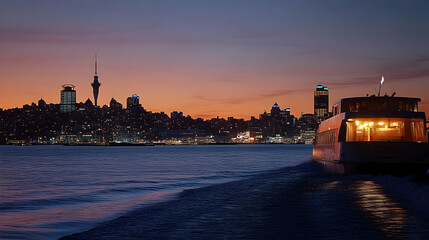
95,64
95,85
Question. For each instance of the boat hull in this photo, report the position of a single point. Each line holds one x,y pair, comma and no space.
374,157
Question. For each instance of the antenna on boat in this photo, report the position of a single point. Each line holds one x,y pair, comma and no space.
381,83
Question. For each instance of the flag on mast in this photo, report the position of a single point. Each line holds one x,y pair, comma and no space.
381,83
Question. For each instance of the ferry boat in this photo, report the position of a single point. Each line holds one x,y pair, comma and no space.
374,134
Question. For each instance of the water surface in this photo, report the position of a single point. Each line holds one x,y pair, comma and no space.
50,191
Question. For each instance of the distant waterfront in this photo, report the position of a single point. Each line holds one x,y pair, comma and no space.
146,144
87,124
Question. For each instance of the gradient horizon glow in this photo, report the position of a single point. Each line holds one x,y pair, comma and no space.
213,58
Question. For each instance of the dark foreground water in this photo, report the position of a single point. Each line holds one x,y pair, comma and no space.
50,191
197,192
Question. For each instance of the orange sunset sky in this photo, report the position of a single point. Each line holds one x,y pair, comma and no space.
213,58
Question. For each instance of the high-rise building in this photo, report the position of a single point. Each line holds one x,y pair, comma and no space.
177,118
285,112
275,121
68,98
275,110
176,115
41,103
133,101
115,104
321,102
95,85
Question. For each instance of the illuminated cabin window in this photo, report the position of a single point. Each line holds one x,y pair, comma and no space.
386,130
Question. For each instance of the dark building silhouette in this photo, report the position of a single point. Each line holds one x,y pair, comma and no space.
95,125
306,122
176,115
68,98
41,103
177,119
115,104
136,118
86,124
276,121
133,101
88,104
321,102
275,110
95,85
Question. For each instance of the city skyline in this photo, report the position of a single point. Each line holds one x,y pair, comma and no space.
214,58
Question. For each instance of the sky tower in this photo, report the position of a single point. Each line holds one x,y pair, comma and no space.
95,85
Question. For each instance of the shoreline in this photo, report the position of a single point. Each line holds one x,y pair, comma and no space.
152,144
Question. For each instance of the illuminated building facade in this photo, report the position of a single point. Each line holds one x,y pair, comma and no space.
68,98
321,102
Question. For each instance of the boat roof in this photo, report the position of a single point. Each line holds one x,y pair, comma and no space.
381,98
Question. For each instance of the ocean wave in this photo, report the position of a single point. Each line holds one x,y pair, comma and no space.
299,202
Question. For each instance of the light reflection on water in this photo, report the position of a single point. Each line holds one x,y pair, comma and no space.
388,215
50,191
17,220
